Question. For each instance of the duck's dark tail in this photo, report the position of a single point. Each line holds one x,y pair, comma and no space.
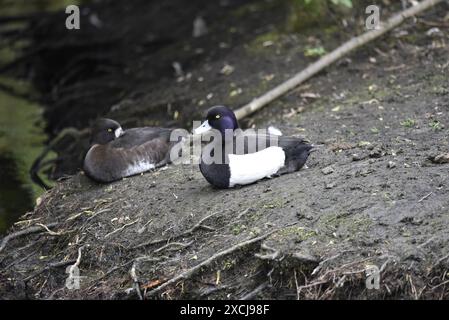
296,156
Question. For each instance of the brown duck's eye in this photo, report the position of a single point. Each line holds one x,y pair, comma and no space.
110,130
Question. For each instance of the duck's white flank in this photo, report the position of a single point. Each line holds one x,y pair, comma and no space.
249,168
138,167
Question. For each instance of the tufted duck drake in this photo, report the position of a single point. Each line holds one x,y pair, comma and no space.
259,156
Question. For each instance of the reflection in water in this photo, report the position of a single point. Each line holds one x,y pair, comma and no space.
22,135
21,140
16,197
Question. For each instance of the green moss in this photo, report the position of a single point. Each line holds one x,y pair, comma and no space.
275,203
228,264
440,90
245,10
305,14
262,42
297,233
408,123
346,223
237,229
315,52
436,125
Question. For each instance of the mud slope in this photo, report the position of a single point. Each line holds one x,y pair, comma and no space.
373,195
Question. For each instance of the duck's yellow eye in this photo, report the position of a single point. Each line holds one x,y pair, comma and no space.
109,130
217,116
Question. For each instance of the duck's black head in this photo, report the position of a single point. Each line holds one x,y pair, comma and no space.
104,131
219,118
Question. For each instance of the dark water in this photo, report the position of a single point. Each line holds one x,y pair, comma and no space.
22,139
16,197
22,135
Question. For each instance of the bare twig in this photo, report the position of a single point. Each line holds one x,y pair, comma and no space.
24,232
310,285
136,284
198,225
52,233
320,265
269,256
425,197
296,284
441,284
174,244
121,228
255,292
48,267
113,269
332,57
241,214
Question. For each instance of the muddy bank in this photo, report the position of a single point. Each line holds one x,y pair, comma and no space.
372,195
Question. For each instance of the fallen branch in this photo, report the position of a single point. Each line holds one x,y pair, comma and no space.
48,267
188,273
24,232
174,244
330,58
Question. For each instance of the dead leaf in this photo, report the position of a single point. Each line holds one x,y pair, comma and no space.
152,284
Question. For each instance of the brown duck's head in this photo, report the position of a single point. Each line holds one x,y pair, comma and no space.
104,131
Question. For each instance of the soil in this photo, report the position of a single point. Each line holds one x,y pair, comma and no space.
373,192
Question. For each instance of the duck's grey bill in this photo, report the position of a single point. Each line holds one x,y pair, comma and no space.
204,127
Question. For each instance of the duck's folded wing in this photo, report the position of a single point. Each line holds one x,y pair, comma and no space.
138,136
248,142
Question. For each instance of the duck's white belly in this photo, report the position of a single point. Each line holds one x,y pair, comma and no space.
249,168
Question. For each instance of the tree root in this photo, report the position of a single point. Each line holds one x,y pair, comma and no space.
24,232
190,272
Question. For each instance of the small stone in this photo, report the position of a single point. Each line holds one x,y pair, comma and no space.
330,185
227,69
406,165
375,153
391,165
300,215
327,170
441,158
357,157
